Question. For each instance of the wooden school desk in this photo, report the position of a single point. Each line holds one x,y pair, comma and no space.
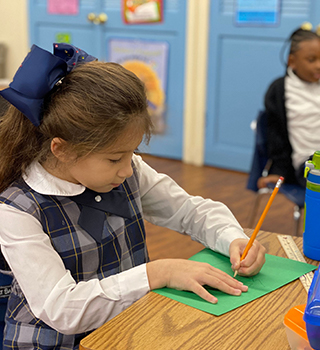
158,323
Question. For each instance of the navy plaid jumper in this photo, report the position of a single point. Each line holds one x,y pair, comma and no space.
123,246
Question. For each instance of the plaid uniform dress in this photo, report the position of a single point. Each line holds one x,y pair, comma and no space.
123,246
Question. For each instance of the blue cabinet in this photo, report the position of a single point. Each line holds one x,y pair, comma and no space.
46,28
243,61
98,22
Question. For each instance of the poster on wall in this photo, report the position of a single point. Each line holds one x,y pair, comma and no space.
148,60
63,7
142,11
257,12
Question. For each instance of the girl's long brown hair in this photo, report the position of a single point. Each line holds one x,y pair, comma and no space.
89,110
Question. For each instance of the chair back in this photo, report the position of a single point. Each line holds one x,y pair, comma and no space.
5,290
260,155
260,163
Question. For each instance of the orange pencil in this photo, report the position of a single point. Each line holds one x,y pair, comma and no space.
263,215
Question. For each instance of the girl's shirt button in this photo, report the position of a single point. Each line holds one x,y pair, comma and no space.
98,198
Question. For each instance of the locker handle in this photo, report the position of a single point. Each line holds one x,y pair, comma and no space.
97,19
102,18
91,17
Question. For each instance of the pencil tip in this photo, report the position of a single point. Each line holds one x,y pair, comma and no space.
235,273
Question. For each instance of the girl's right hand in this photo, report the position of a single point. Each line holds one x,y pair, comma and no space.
192,276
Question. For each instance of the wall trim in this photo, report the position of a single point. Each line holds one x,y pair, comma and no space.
197,33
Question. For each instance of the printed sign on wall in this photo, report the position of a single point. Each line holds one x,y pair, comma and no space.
63,7
257,12
63,38
149,61
142,11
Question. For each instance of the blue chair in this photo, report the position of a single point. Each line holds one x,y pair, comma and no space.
5,290
260,167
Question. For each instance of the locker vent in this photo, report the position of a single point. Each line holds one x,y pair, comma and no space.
85,3
227,6
112,4
288,7
296,7
173,5
168,5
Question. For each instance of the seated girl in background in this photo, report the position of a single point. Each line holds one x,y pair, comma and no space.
292,104
74,197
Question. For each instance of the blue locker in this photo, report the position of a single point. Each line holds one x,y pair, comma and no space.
243,61
98,22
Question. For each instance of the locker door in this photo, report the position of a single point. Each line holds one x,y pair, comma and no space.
94,37
47,28
172,32
243,61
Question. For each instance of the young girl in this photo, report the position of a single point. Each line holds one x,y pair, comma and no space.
293,108
74,196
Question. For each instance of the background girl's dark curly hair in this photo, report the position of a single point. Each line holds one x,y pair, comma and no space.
89,110
298,36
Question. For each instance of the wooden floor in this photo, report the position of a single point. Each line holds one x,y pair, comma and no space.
222,185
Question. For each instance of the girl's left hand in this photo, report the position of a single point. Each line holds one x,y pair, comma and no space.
254,260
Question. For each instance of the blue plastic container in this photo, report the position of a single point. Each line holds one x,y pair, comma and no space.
311,234
312,312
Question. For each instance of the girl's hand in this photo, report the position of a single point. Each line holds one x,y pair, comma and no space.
254,260
192,276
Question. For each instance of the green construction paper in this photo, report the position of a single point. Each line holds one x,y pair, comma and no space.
275,273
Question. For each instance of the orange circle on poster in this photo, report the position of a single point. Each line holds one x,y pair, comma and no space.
149,77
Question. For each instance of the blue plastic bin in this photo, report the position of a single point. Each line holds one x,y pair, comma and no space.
312,312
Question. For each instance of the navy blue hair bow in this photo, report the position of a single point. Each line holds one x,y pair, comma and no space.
38,74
